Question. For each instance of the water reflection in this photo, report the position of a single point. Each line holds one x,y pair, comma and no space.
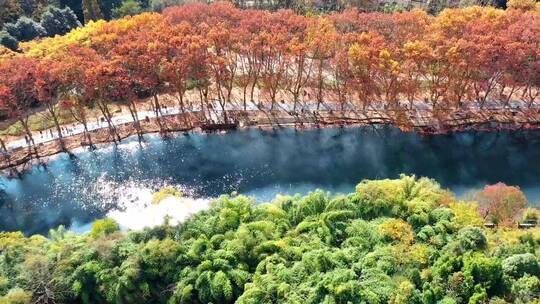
261,163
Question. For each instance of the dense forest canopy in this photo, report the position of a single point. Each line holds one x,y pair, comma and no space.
29,15
455,62
391,241
108,9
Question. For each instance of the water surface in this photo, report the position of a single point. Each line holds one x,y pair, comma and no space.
74,191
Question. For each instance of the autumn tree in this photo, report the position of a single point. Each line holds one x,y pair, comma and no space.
223,62
364,56
416,55
142,51
49,87
341,73
19,95
186,62
501,203
321,38
521,65
250,52
75,97
106,82
299,69
4,97
6,53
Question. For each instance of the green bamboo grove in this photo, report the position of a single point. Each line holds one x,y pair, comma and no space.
391,241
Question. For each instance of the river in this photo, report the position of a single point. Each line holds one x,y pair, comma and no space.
73,191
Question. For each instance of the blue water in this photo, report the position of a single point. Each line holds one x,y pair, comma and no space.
74,191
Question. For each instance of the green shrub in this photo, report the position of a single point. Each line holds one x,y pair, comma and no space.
520,264
16,296
471,238
104,227
526,289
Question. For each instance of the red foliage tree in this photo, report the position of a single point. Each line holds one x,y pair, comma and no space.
50,87
106,82
501,203
19,93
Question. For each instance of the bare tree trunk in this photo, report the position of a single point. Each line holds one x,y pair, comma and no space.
51,109
24,122
87,134
244,98
108,117
182,107
222,104
320,86
202,104
3,145
252,92
84,122
136,122
157,111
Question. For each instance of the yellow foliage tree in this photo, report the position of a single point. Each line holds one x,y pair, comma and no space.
466,213
53,47
397,230
6,53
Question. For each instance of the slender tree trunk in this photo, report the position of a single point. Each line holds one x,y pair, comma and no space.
222,104
252,91
203,92
182,107
57,125
24,122
319,94
201,98
531,95
3,145
109,119
87,133
5,153
157,111
245,97
107,114
221,101
136,122
82,119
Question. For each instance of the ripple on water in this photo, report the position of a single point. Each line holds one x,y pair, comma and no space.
118,180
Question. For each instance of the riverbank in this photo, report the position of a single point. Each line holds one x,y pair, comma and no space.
424,122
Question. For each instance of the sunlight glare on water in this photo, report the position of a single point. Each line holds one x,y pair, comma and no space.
117,181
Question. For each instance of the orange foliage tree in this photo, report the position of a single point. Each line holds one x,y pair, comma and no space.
463,59
501,203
